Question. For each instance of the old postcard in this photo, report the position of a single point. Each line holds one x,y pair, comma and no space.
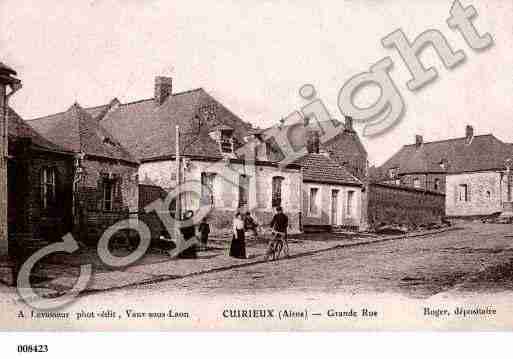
256,165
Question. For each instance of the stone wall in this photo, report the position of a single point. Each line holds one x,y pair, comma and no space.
126,175
93,218
486,191
404,205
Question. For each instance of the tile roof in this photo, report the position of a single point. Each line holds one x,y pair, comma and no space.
484,152
148,129
76,130
19,128
322,169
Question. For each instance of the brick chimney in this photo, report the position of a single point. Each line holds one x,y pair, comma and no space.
163,89
312,141
469,134
418,141
349,124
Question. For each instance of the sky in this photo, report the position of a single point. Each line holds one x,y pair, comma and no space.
253,56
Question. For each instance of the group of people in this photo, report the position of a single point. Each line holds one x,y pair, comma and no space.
243,223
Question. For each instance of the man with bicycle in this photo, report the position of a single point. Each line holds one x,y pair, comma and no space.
278,225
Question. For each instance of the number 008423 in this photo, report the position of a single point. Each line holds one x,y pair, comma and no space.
32,348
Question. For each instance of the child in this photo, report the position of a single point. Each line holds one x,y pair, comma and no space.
204,230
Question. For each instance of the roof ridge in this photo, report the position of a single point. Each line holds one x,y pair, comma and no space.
120,103
63,112
188,91
46,116
136,101
451,139
153,98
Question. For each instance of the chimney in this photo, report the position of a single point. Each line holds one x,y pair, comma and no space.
418,141
163,89
469,134
312,141
349,124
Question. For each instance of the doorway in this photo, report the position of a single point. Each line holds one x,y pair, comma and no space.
334,207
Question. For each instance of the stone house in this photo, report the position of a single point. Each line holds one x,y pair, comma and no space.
104,177
216,148
470,170
332,197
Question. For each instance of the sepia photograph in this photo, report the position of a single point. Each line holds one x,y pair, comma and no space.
256,166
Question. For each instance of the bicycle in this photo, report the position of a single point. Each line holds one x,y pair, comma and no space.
277,245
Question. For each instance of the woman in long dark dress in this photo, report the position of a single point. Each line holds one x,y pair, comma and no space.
238,247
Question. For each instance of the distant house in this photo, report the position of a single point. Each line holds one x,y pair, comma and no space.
332,197
105,182
210,140
470,171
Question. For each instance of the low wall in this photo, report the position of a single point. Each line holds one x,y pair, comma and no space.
404,205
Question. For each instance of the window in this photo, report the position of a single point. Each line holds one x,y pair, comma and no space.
226,141
243,190
313,207
207,188
272,150
463,193
488,195
416,182
276,195
392,173
48,179
109,186
349,205
209,112
436,186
